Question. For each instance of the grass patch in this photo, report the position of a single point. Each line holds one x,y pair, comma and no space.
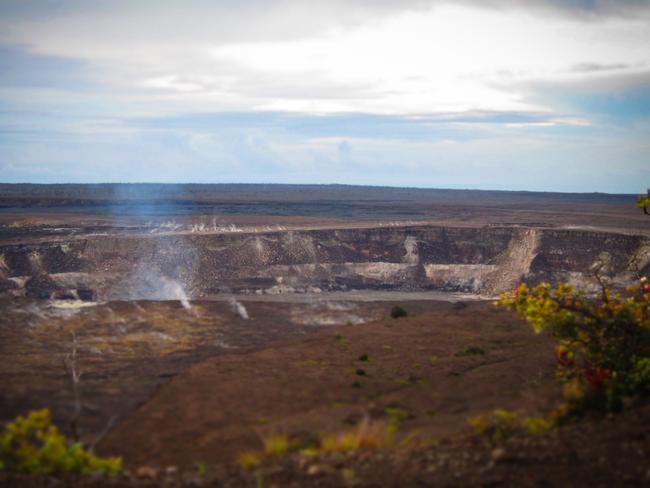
277,445
249,459
341,340
396,416
501,424
367,435
470,351
320,363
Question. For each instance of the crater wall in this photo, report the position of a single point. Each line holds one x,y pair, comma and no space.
484,260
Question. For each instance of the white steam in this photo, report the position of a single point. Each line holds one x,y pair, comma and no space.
147,282
238,308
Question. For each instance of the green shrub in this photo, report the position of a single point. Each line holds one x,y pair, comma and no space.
397,312
33,445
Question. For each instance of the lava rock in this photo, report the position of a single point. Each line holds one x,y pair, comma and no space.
41,286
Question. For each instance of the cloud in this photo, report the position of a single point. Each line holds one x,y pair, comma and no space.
612,99
586,9
597,68
20,68
380,57
435,93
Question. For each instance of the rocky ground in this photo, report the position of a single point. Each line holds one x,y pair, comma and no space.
427,367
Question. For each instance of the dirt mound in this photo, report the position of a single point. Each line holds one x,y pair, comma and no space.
439,367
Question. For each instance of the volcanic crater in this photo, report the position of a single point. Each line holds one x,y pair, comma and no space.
203,324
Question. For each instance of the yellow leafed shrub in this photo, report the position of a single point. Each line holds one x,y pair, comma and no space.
34,445
604,344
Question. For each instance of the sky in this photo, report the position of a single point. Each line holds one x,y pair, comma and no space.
542,95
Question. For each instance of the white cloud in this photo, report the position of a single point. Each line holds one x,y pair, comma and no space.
445,60
336,57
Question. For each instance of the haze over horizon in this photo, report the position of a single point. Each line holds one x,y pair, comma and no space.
548,95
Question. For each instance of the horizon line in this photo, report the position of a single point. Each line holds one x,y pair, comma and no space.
114,183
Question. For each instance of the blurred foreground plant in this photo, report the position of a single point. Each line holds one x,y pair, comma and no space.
502,424
33,445
644,203
604,345
367,435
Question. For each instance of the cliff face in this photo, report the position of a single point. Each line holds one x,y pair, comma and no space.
479,260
